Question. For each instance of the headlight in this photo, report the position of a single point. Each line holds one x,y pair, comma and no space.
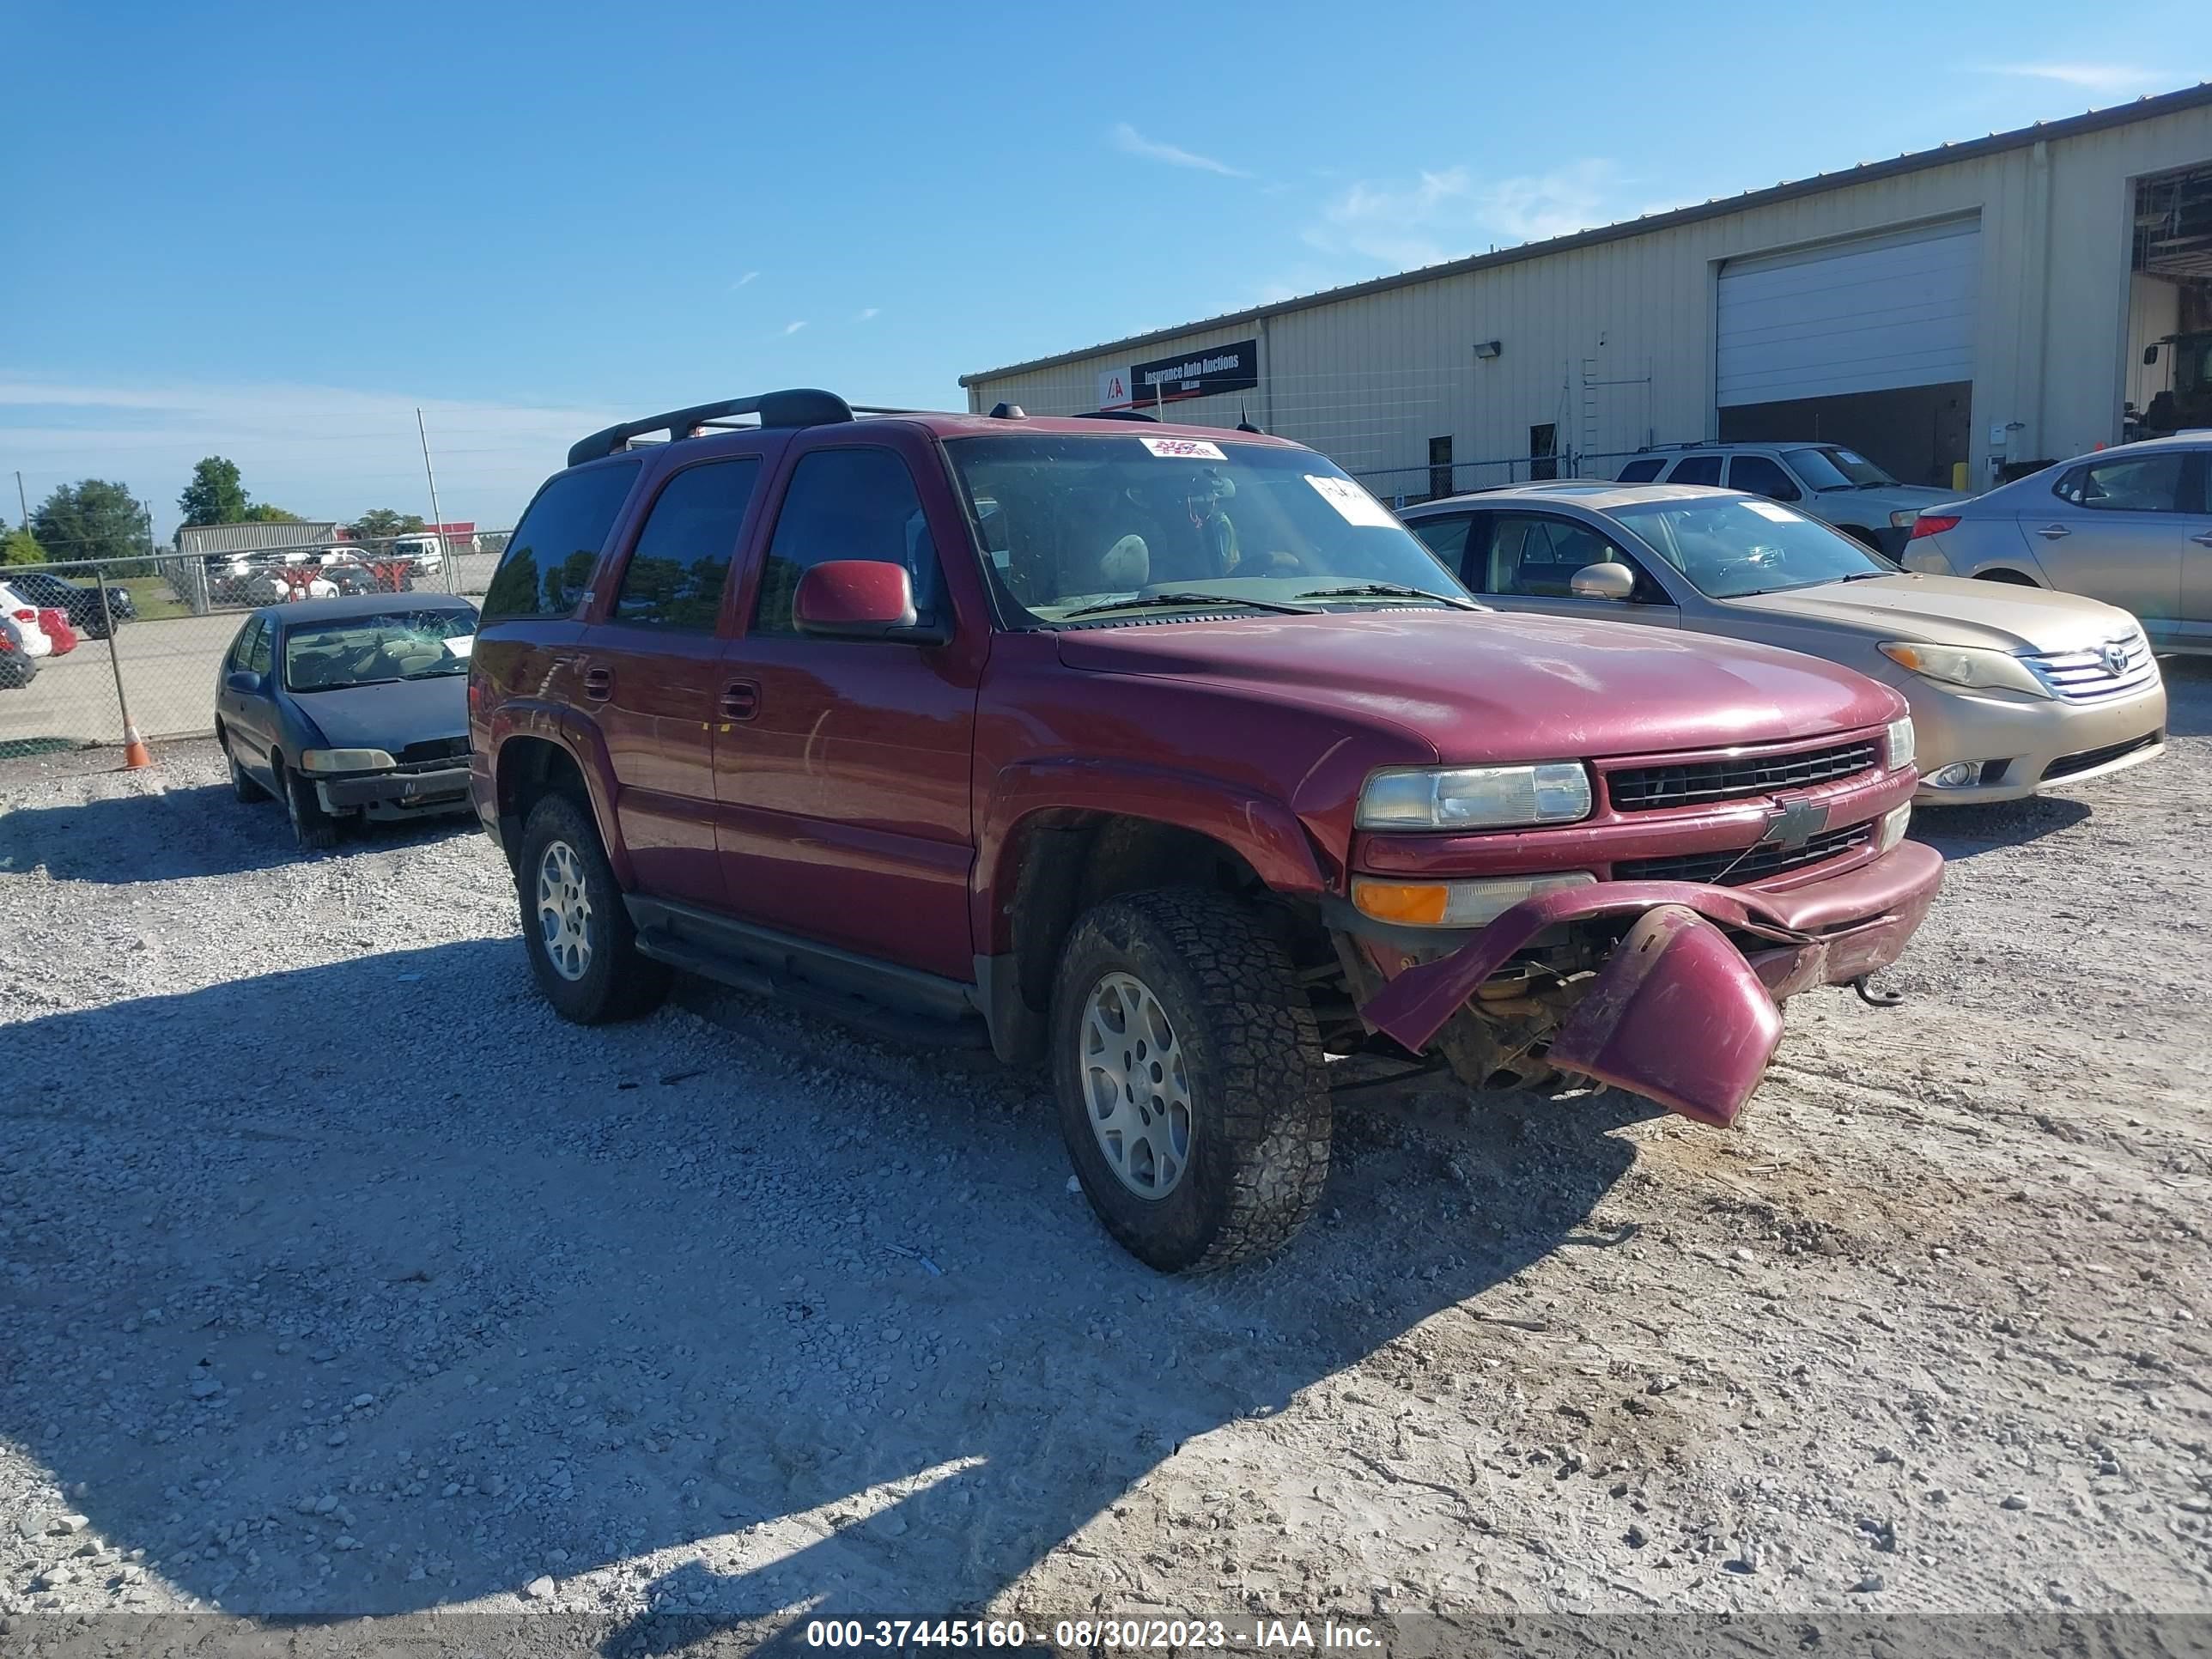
1898,741
1972,667
1475,797
345,760
1455,904
1905,518
1894,823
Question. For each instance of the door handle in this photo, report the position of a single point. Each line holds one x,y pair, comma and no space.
740,700
599,684
2051,532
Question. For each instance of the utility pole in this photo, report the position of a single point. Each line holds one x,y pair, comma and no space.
20,502
446,555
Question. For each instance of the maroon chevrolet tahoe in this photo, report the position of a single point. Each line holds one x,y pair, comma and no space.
1166,755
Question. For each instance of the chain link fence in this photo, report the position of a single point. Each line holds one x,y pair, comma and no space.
81,641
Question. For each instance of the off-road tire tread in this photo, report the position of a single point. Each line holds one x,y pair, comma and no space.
1270,1109
622,983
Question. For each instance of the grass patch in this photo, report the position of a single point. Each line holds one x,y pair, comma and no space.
152,596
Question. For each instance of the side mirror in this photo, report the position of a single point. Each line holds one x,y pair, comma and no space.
1603,581
855,599
244,684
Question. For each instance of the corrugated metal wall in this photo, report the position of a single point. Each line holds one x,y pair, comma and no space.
1613,344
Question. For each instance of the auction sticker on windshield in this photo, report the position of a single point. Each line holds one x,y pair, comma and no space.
1184,449
1768,510
1353,504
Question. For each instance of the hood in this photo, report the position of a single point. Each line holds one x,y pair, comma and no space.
1946,610
1497,687
389,716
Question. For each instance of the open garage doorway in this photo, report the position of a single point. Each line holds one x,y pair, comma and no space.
1868,342
2169,362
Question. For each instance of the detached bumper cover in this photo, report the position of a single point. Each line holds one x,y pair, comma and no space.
1679,1012
405,791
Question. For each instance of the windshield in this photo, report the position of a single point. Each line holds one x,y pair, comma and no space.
1730,547
1070,523
1830,468
379,649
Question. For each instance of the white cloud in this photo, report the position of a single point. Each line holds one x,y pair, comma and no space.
1130,142
743,279
1444,214
323,452
2106,80
793,328
872,312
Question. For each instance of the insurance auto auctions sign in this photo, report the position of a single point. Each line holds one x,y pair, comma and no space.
1170,380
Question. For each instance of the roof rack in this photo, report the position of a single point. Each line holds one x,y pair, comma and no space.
801,406
1117,414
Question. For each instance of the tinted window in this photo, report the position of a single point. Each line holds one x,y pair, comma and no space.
549,559
1642,471
1697,470
260,650
1755,475
1446,537
846,504
2142,484
681,563
1537,558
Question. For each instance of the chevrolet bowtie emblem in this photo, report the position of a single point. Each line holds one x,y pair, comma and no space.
1792,826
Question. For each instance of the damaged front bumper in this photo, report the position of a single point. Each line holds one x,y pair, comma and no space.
399,793
1686,1010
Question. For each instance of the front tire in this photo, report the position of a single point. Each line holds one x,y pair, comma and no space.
1191,1089
315,830
582,944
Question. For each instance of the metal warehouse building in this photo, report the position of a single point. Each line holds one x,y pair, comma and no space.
1986,304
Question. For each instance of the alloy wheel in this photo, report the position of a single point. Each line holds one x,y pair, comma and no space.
564,910
1135,1086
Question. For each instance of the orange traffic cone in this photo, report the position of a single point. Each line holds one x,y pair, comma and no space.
134,748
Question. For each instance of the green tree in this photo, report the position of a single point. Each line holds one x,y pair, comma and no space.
263,512
91,519
381,522
21,547
215,495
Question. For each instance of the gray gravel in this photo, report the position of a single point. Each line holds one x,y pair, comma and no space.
338,1277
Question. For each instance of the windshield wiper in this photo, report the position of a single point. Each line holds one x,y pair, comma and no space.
340,685
1865,575
1187,600
1390,590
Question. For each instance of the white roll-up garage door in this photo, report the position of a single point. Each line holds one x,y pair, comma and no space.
1867,315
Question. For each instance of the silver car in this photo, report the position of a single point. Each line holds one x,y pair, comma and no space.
2132,526
2012,691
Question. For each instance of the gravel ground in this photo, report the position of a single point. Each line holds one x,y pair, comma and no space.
339,1278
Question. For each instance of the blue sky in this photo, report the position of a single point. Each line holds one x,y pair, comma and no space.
272,232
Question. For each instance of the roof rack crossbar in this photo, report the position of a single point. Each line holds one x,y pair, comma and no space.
801,406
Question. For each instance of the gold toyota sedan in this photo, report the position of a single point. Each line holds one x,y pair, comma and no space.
2013,689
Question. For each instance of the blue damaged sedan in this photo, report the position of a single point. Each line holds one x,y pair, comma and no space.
350,709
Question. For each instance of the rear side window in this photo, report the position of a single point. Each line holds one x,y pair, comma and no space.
846,504
1755,475
1446,537
1697,470
2145,483
549,559
681,563
1642,471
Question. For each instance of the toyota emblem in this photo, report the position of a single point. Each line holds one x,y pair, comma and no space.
2116,657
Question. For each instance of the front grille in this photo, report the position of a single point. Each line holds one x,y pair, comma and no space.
2090,759
1735,867
1647,788
2095,676
437,749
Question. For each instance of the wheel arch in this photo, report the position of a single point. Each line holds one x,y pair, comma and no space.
2006,573
529,765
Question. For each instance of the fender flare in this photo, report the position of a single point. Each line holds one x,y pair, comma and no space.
580,741
1263,831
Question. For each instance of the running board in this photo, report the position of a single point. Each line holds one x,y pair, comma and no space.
898,1003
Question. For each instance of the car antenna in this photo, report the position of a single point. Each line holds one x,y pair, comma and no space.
1244,423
